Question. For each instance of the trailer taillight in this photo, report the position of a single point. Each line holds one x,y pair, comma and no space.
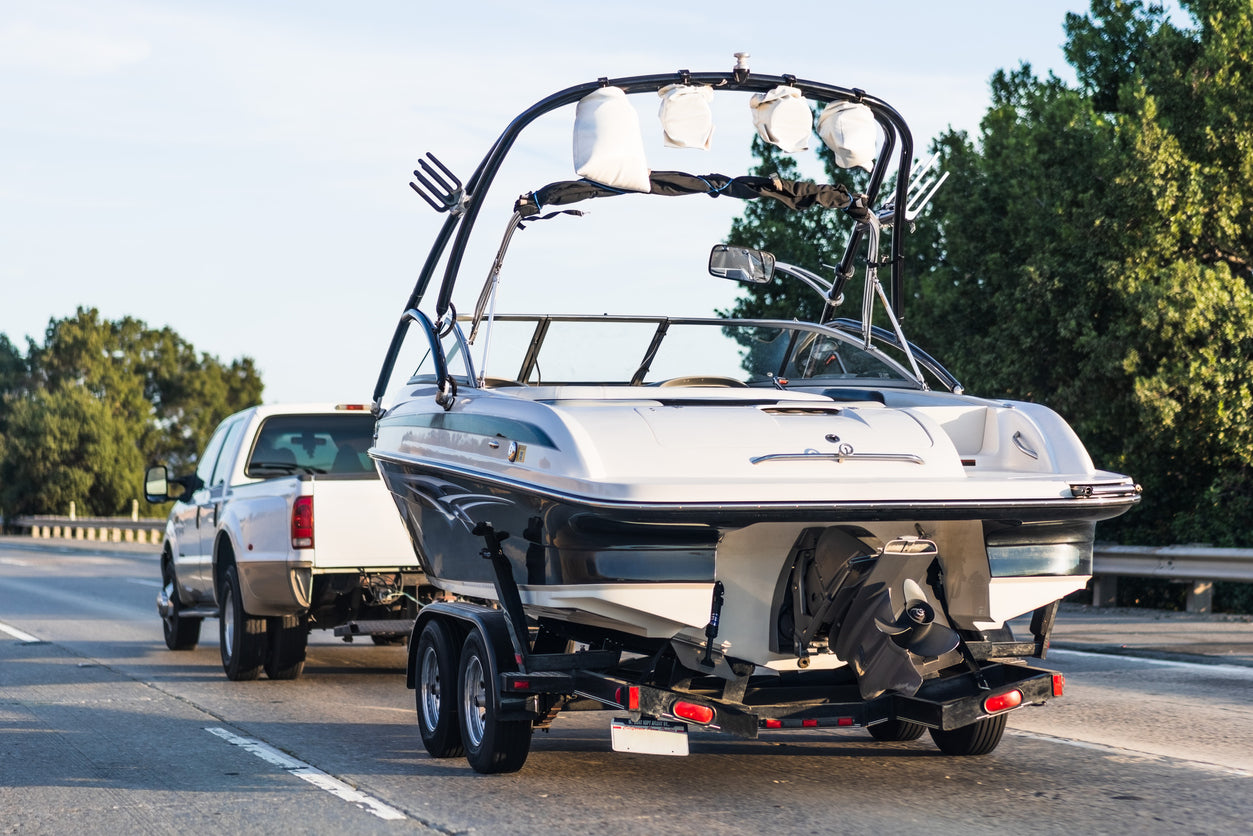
695,712
1059,684
1003,702
302,523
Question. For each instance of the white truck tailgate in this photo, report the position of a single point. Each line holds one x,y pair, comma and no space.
356,524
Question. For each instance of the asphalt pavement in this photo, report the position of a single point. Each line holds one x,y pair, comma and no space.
1155,634
1158,634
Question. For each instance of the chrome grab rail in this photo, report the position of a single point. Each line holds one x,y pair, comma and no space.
839,457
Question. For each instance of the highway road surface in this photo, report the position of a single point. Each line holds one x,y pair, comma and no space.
105,731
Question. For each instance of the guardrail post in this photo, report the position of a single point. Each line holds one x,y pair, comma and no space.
1105,591
1200,596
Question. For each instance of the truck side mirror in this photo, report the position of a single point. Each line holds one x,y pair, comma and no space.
158,487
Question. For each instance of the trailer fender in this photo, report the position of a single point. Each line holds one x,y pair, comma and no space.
461,618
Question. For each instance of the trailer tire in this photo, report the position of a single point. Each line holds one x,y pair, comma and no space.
242,636
288,641
436,690
979,738
896,730
492,745
181,633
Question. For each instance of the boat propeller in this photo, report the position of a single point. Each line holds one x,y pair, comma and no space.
915,628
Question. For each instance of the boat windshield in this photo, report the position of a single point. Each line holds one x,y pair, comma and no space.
607,350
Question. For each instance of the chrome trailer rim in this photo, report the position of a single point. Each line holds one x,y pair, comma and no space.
430,693
474,700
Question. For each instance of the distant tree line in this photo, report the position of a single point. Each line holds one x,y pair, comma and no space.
1093,251
83,412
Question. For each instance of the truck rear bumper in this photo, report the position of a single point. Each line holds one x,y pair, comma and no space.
275,587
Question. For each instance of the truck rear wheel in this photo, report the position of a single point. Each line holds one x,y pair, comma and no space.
288,639
492,745
181,633
242,636
896,730
978,738
436,663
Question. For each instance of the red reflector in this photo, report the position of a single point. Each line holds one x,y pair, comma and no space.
1003,702
774,724
809,724
1059,684
521,684
694,712
302,523
633,698
844,721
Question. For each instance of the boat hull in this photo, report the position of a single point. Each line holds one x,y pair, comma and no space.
649,569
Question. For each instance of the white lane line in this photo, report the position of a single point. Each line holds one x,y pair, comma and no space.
1239,671
12,561
1124,752
145,582
309,773
16,633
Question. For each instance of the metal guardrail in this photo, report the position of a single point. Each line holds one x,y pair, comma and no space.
1198,566
100,529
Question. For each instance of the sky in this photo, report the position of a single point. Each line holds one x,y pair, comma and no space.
238,170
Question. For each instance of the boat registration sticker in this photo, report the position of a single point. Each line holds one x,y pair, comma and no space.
648,737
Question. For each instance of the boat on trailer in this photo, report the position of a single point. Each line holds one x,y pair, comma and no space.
702,521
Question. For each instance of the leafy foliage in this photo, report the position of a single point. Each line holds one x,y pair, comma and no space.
1094,251
83,413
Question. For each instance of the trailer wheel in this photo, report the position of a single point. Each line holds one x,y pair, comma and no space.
492,745
896,730
288,640
437,692
978,738
181,633
242,636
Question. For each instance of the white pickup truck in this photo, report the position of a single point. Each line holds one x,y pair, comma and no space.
241,542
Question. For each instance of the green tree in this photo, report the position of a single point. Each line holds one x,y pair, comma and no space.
65,445
84,411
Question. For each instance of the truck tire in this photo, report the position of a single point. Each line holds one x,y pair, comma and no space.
492,745
181,633
436,662
979,738
896,730
242,636
288,639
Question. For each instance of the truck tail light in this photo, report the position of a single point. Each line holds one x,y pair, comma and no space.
302,523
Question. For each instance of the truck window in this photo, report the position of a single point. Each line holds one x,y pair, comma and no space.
227,456
208,461
332,443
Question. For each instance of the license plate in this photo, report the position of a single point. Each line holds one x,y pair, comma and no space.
648,737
